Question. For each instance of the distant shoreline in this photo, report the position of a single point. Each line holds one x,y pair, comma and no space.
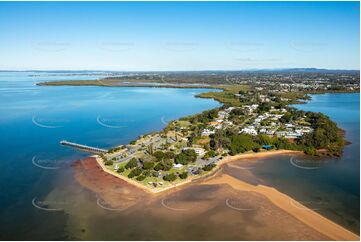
100,83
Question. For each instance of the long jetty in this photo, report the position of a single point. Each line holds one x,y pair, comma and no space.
83,147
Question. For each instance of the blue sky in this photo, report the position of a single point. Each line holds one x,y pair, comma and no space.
178,35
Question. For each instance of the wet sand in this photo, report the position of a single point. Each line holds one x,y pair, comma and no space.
109,189
308,216
193,212
257,155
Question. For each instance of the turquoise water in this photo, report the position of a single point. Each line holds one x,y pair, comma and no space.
333,189
33,119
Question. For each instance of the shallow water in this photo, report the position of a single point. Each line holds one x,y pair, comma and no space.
330,186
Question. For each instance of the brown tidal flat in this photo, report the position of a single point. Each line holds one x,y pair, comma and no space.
111,191
218,208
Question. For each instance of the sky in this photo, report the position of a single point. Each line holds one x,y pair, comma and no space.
166,36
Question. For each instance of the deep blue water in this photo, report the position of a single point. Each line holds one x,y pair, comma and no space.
33,119
333,189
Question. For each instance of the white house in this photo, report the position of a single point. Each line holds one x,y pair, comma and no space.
249,130
207,132
229,109
177,166
289,125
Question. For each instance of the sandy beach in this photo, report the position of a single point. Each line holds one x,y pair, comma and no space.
225,160
228,159
308,216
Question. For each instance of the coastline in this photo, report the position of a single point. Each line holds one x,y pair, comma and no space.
291,206
189,180
281,200
100,82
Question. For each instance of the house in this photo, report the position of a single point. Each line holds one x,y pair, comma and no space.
177,166
213,123
249,130
222,114
262,131
199,151
292,135
207,132
289,125
254,106
228,122
281,133
229,109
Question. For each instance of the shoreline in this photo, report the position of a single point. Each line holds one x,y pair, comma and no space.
283,201
189,180
279,199
291,206
168,85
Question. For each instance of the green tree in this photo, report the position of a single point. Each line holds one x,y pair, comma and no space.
148,165
169,155
135,172
210,154
186,157
120,169
132,163
263,107
242,143
167,165
159,155
140,178
183,175
286,118
170,177
159,166
208,167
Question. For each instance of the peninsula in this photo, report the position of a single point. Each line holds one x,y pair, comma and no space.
256,119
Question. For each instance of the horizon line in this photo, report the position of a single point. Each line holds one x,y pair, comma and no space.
200,70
